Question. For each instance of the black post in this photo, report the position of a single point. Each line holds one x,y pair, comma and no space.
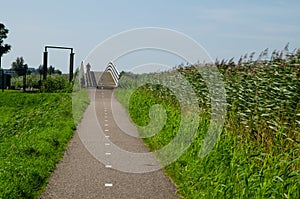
2,79
2,75
45,67
40,81
71,66
24,80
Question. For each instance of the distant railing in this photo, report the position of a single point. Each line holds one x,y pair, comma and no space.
113,71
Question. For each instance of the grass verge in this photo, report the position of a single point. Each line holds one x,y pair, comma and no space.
257,154
34,133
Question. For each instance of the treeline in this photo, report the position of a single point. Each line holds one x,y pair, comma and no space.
20,68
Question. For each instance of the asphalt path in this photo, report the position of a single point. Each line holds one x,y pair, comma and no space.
107,159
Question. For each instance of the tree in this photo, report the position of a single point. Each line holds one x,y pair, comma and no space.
39,70
57,71
21,69
51,70
4,48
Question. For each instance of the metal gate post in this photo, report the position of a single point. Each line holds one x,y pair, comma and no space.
71,66
45,65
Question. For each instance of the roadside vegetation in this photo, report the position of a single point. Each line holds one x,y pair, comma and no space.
34,132
257,153
53,83
35,126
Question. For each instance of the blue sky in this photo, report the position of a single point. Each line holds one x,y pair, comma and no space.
225,29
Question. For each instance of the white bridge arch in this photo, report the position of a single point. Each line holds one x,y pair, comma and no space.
109,78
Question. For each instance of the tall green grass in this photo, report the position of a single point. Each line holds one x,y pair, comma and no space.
34,131
257,154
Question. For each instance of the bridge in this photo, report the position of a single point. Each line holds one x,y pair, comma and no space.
107,79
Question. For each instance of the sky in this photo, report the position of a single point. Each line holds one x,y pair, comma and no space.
225,28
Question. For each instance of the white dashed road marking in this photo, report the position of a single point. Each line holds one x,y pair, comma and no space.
107,136
108,184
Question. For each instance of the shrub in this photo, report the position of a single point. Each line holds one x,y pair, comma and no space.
56,84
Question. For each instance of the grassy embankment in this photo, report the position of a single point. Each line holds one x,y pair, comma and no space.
34,132
257,154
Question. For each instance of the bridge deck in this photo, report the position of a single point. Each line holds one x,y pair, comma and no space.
100,80
106,79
